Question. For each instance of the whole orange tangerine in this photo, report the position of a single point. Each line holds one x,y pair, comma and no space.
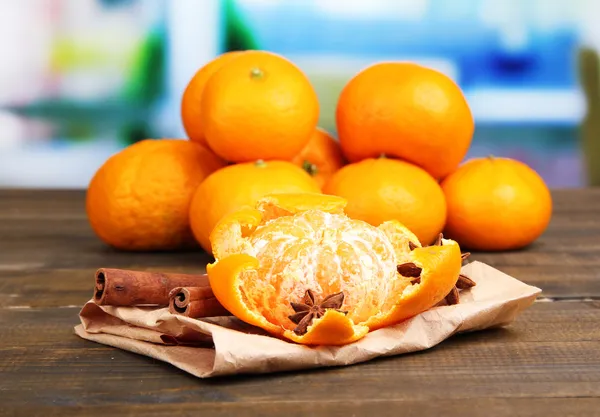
192,97
384,189
496,204
407,111
139,198
242,185
258,105
321,157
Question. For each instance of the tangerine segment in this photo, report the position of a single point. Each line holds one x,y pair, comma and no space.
224,277
285,204
228,235
229,232
334,328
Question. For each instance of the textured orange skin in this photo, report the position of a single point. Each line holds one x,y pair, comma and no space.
239,186
324,152
387,189
258,106
496,204
406,111
139,199
441,266
224,276
190,101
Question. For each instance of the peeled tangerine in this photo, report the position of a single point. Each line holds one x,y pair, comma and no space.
299,268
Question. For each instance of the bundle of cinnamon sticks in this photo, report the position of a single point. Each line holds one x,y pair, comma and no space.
184,294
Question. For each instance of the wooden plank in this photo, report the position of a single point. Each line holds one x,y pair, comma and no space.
41,204
543,322
576,200
551,352
361,406
76,253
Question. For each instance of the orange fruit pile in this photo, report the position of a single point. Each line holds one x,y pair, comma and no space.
311,248
301,269
419,120
403,131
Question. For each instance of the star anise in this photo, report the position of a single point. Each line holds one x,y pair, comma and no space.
308,310
462,283
409,269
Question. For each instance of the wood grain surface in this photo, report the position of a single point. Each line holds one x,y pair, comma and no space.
546,363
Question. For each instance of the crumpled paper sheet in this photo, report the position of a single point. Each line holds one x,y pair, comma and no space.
225,345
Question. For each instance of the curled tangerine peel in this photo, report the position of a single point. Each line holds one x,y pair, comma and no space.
334,328
224,281
292,244
441,266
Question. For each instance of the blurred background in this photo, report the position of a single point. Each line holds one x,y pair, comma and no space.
81,79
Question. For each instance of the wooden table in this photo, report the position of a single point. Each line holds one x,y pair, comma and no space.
547,363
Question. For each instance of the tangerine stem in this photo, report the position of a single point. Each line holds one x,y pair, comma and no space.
310,168
256,73
260,163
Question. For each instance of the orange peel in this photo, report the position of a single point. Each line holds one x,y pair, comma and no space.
224,277
266,258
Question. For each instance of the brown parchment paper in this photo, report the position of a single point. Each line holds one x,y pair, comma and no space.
225,345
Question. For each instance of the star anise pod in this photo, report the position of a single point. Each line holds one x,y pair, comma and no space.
463,283
409,269
308,310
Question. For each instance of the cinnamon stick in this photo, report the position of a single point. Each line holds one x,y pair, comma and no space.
195,302
120,287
